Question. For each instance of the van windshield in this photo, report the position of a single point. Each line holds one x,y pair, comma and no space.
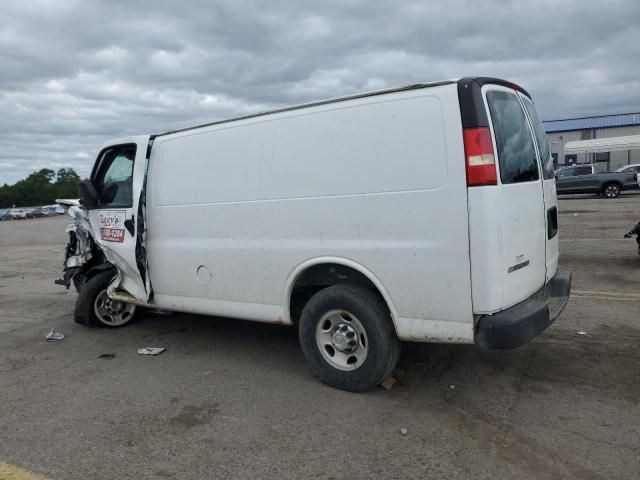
516,151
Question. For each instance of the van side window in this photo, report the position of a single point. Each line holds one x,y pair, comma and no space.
516,152
541,139
114,177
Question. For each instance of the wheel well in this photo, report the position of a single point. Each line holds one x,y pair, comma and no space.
610,182
324,275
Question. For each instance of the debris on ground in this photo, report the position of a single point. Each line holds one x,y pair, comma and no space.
582,332
107,356
159,312
403,431
151,350
391,380
452,386
388,382
54,336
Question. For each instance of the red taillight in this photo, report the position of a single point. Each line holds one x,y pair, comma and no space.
481,162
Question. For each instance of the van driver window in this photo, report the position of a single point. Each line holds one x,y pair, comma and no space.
114,180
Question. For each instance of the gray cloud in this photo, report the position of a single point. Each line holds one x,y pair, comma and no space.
76,74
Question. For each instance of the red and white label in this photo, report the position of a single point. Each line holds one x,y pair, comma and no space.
112,234
112,225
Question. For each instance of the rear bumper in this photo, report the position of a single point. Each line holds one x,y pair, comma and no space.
517,325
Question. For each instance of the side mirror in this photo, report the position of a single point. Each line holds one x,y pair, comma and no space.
88,195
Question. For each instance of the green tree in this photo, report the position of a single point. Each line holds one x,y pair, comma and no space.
66,185
39,188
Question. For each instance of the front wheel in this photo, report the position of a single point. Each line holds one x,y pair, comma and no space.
611,190
347,337
94,308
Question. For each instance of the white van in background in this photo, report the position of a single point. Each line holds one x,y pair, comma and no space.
424,213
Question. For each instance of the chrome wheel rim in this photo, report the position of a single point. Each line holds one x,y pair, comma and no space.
112,312
342,340
611,191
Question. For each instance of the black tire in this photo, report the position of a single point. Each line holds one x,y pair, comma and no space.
383,347
611,190
93,287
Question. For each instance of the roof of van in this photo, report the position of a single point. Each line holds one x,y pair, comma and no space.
478,81
314,104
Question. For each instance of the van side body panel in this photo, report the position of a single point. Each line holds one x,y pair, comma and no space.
234,209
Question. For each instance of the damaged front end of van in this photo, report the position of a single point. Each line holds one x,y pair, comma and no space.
83,257
94,274
105,258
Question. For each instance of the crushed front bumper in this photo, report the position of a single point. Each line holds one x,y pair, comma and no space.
517,325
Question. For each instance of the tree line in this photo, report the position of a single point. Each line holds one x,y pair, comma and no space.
40,188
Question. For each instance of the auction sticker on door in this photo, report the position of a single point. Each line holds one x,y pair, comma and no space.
112,225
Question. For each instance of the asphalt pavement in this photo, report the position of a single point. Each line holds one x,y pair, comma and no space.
234,399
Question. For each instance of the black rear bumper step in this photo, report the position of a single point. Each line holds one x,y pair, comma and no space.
516,325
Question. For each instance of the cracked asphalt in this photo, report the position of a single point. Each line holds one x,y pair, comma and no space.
234,399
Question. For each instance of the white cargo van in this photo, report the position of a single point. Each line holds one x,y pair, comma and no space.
425,213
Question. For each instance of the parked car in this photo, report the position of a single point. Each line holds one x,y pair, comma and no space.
35,213
4,215
18,213
584,179
363,220
633,168
46,212
52,210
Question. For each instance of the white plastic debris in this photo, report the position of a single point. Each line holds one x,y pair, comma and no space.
151,350
582,332
54,336
452,386
403,431
158,312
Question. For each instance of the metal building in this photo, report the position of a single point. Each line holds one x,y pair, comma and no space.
581,133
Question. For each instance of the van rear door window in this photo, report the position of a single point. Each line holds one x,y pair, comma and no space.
516,151
541,139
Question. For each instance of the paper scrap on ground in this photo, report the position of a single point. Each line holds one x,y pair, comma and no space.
54,336
151,350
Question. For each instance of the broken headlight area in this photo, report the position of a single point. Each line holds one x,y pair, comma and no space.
79,255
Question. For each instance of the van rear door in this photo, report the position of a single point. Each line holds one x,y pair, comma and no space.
521,207
549,186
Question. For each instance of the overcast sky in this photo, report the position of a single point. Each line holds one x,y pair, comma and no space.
74,74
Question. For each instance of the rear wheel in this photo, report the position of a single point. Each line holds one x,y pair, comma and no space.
347,337
94,308
611,190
